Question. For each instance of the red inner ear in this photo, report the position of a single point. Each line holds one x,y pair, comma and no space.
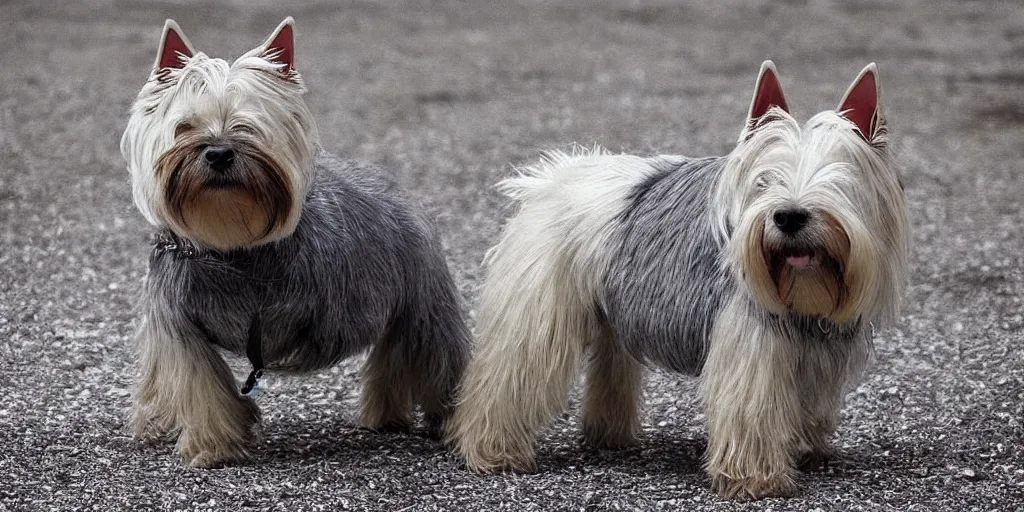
284,45
768,95
861,103
173,45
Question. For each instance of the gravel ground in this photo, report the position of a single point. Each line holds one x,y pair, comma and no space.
448,96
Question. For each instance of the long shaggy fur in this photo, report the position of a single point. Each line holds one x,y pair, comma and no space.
317,258
676,262
537,310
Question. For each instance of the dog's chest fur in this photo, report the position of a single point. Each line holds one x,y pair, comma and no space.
327,291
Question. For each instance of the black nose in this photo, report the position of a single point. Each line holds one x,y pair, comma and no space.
790,221
219,157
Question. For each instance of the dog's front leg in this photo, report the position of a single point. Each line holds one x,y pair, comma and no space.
187,386
752,405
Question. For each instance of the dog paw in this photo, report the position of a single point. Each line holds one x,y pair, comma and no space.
435,426
207,459
392,426
501,463
602,437
755,487
210,453
206,450
221,440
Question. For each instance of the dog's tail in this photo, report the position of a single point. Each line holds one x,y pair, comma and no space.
537,178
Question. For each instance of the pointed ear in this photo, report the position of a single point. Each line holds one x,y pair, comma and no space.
862,103
767,93
280,46
174,47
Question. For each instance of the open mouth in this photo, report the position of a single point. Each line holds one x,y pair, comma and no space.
795,259
807,280
788,263
799,259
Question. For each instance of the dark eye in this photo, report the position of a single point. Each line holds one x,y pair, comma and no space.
182,128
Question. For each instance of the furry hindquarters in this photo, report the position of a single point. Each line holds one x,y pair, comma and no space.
518,379
532,332
187,387
539,303
611,405
423,356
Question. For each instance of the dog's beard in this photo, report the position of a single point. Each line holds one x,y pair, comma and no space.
245,205
808,281
807,275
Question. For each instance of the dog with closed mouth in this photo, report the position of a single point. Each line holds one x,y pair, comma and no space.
268,247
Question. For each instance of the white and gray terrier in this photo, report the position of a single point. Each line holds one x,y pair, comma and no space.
761,271
269,247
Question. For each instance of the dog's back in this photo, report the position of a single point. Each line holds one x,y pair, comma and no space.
627,227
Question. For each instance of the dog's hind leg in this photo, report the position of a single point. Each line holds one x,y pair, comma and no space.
421,362
613,393
532,333
540,303
387,388
438,361
514,384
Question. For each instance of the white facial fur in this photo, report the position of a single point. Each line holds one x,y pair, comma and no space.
254,97
857,215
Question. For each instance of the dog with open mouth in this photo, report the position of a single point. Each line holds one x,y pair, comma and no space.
761,272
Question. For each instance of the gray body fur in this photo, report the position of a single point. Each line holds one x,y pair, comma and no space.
361,269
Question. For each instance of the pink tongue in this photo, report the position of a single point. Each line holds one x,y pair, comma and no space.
799,261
